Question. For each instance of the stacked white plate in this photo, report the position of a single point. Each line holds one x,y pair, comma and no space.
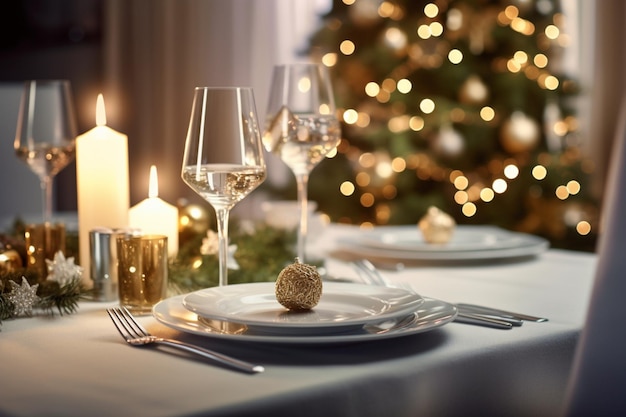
467,243
346,313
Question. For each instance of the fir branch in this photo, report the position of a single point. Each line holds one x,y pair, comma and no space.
65,298
261,255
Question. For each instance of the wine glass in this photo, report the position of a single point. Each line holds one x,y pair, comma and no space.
45,137
223,160
301,126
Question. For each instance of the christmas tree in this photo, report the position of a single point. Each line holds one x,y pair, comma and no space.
459,104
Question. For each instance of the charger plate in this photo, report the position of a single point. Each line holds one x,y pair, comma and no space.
429,315
467,243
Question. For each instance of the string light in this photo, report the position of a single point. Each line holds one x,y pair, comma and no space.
379,169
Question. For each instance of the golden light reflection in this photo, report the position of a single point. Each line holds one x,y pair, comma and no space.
367,160
469,209
350,116
573,187
416,123
487,113
583,228
367,200
404,86
372,89
304,84
539,172
511,171
398,164
423,31
499,185
427,105
552,32
363,179
436,29
461,197
487,195
541,60
461,182
329,59
347,188
347,47
431,10
455,56
561,192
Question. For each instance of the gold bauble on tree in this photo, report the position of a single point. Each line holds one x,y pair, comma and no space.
473,91
299,286
519,133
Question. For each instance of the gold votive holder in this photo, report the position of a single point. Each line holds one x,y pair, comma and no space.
43,241
142,271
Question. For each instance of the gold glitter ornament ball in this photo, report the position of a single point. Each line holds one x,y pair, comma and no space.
437,227
299,286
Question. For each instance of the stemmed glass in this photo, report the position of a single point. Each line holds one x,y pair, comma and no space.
45,137
301,126
223,160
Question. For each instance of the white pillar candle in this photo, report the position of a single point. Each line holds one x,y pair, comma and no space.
102,182
155,216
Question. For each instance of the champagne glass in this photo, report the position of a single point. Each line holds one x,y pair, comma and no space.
45,137
223,158
301,126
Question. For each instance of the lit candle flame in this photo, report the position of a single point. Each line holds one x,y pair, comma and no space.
153,188
101,116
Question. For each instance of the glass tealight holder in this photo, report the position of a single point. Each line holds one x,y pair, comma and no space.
142,271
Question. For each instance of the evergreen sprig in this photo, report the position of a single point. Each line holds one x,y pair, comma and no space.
261,254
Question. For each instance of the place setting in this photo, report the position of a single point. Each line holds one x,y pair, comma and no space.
301,128
437,239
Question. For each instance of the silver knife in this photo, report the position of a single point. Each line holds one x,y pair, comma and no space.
476,309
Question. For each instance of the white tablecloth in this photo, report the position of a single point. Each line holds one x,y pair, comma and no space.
78,365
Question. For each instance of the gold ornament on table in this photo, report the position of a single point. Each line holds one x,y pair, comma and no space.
299,286
436,226
10,260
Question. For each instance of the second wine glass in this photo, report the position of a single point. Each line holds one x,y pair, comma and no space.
223,159
301,126
45,137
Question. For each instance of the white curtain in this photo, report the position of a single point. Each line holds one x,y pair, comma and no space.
604,80
157,51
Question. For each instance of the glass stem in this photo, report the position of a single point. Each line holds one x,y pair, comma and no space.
302,180
46,198
222,235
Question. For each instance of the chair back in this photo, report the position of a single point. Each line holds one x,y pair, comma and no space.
597,385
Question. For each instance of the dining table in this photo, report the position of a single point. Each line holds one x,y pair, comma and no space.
78,365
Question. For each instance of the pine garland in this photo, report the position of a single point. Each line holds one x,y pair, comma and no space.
50,294
260,252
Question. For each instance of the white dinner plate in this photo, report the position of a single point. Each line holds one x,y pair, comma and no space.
429,315
467,243
342,306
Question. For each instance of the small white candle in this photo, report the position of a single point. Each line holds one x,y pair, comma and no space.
155,216
102,182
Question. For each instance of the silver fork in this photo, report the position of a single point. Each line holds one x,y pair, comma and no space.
136,335
465,314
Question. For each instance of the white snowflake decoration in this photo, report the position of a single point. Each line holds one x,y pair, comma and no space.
210,246
23,297
63,270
